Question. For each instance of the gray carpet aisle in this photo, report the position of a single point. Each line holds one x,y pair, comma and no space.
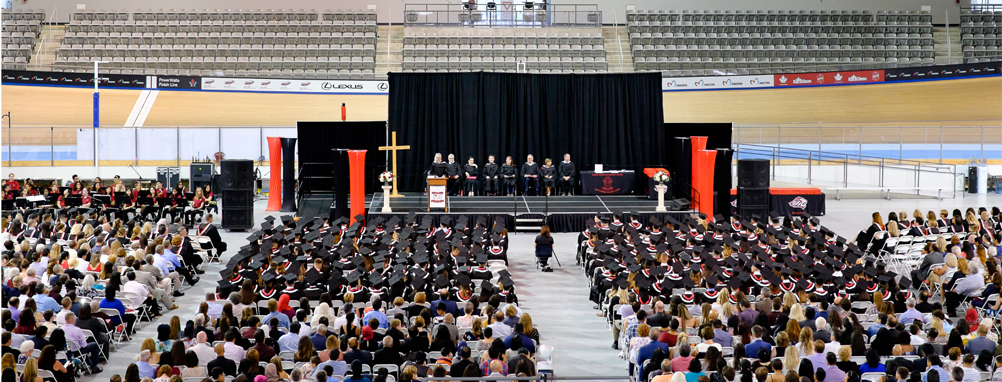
559,306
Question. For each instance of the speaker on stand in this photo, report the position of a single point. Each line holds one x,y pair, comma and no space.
753,188
236,181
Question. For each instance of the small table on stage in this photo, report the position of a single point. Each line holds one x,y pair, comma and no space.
790,200
438,193
607,182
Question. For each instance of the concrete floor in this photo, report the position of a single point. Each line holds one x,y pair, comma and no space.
557,301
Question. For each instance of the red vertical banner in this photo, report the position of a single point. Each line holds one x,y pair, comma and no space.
275,184
698,144
356,164
702,178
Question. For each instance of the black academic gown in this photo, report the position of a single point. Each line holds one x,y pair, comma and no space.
549,175
452,171
530,177
566,169
508,175
470,178
490,178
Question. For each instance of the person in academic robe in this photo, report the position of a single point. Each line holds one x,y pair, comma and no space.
206,228
470,177
436,169
566,172
549,174
508,175
490,175
530,176
452,171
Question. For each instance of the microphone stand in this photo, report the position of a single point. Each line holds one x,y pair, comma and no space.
137,173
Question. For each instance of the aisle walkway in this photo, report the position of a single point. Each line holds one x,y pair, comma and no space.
559,306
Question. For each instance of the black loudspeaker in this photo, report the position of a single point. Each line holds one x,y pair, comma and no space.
749,212
972,179
236,174
681,204
753,173
238,199
753,197
238,218
200,174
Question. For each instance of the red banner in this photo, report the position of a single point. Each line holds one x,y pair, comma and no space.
356,160
828,78
275,186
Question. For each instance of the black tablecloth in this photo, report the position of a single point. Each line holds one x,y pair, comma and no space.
793,204
607,183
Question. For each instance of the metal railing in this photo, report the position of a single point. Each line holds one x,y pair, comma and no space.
44,145
503,14
903,172
921,143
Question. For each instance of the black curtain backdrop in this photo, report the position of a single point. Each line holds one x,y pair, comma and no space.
613,119
316,160
680,162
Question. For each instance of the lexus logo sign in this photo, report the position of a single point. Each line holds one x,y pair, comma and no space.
383,86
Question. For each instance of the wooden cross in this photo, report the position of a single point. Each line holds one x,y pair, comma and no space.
394,148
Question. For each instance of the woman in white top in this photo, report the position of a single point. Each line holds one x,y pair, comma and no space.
707,334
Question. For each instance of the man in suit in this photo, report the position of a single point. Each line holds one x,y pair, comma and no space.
354,353
186,252
162,295
822,333
659,318
647,351
207,229
928,260
387,355
450,306
229,367
457,369
897,361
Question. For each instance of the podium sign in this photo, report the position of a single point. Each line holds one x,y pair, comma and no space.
438,195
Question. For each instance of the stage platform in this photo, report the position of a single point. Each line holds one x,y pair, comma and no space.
561,213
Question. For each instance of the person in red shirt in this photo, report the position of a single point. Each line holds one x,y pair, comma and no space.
29,190
61,202
14,185
96,187
210,200
85,199
196,208
77,188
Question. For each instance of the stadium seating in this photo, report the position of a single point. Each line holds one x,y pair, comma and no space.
21,29
981,34
551,52
297,43
691,42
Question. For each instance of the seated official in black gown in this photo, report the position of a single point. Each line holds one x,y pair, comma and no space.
452,170
530,176
508,175
549,174
470,177
490,176
566,170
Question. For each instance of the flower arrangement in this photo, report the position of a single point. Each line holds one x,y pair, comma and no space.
386,177
662,177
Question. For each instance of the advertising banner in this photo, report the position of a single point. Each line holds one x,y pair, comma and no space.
716,83
296,86
828,78
73,79
945,71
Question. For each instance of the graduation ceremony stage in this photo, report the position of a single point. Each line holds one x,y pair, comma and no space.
561,213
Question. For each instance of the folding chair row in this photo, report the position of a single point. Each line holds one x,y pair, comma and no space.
221,26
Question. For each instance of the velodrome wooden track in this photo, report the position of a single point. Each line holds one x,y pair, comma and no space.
971,102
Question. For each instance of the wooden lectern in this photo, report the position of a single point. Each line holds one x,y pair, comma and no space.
438,194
